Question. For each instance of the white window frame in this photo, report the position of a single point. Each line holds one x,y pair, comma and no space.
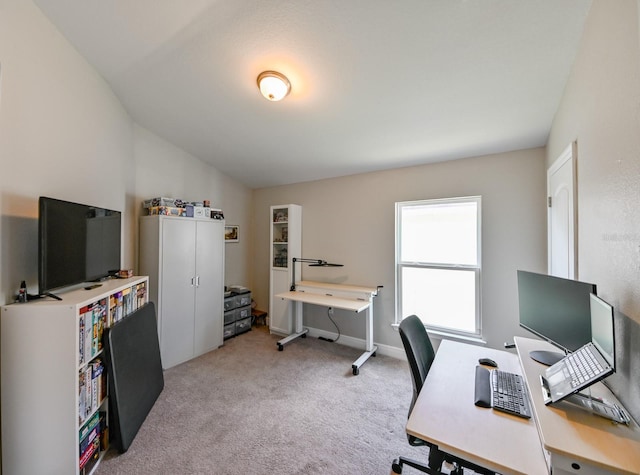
477,269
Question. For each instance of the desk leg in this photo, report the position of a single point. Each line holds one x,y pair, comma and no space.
298,330
370,349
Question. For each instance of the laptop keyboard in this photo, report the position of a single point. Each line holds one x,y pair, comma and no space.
582,365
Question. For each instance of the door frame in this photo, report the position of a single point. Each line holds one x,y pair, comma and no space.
568,154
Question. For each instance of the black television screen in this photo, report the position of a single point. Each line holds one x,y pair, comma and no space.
76,243
555,309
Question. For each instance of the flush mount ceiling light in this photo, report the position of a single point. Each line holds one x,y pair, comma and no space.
273,85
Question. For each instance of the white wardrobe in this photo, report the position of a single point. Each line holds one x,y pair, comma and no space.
184,259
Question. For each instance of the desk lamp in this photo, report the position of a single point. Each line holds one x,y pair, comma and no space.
312,263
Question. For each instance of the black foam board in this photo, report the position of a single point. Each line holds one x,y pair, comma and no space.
135,373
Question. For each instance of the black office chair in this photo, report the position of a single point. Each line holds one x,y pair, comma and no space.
420,354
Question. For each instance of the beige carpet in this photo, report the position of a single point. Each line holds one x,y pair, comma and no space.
247,408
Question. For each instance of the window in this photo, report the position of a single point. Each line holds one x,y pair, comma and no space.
438,264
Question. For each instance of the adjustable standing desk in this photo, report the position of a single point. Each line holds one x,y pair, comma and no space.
345,297
562,438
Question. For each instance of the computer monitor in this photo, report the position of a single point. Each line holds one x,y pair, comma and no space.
557,310
602,333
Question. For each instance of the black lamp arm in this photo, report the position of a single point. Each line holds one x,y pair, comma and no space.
312,262
293,271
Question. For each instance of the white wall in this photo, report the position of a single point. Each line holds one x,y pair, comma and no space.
601,110
64,134
162,169
350,220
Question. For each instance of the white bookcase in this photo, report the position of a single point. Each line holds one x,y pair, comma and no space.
41,366
285,244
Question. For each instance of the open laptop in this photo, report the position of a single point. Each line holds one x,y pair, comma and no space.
587,365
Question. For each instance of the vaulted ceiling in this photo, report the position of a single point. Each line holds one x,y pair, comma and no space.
376,84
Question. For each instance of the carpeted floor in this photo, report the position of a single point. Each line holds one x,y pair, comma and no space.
247,408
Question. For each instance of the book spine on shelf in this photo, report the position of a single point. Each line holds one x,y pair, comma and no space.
115,308
93,461
98,383
88,332
88,390
86,428
91,436
94,330
91,451
82,394
127,304
94,387
102,321
81,339
141,293
120,305
104,432
112,309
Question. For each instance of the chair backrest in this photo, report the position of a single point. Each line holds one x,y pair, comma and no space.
420,352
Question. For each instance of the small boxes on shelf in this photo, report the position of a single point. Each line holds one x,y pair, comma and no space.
194,211
162,201
167,211
176,207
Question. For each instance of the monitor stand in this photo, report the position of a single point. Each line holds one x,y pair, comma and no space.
547,358
53,296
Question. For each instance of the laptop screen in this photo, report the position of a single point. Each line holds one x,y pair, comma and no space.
602,328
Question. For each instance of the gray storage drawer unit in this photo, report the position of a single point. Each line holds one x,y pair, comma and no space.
237,312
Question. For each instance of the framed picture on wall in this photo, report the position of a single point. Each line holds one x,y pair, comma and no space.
231,233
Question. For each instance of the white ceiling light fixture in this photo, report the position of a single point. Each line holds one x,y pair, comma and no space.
273,85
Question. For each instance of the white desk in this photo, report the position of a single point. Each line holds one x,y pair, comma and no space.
345,297
574,437
561,438
445,415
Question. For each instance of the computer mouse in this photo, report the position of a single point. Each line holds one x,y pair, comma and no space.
488,362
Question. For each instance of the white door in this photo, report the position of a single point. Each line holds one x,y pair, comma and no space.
178,288
210,286
562,216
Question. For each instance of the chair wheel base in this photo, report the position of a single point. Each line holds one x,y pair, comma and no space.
396,466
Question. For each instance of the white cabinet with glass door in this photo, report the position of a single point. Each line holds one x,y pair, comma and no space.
285,244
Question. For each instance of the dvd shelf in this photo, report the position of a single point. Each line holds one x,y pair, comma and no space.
61,342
